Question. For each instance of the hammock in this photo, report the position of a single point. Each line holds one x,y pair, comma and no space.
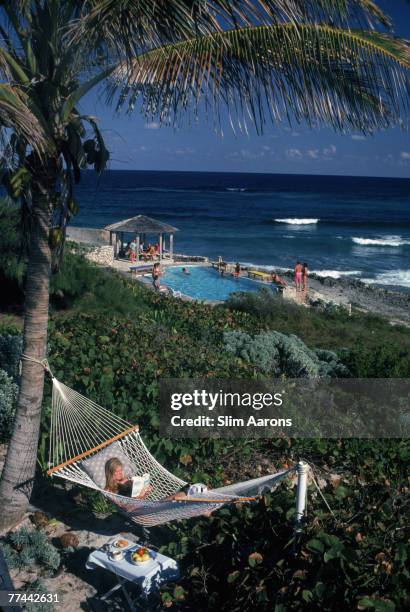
84,436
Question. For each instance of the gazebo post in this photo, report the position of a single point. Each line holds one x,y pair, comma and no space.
171,246
160,247
112,244
138,247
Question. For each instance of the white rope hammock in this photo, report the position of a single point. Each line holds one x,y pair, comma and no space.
81,429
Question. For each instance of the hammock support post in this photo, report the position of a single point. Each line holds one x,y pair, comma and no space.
302,469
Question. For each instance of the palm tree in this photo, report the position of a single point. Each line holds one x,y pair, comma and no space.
317,61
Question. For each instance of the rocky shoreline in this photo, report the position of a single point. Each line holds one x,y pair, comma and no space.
395,305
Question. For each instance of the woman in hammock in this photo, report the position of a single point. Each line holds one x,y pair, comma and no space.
116,482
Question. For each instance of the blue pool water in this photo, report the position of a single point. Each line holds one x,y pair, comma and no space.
205,283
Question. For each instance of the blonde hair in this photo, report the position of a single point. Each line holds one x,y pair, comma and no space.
110,467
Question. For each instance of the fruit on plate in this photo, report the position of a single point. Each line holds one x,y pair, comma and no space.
141,555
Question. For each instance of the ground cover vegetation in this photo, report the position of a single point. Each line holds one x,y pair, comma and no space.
240,558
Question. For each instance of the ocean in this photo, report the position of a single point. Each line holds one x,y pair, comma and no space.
341,226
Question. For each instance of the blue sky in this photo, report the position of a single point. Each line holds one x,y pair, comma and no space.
138,145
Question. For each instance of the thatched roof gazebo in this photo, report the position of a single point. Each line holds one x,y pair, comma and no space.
141,226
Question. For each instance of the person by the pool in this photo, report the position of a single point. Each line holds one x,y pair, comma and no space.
298,276
305,274
237,271
278,280
156,274
222,267
151,252
185,271
133,251
145,253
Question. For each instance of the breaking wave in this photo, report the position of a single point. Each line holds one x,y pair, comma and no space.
296,221
392,241
336,273
399,278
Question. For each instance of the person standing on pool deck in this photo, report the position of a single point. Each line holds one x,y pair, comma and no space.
133,251
237,271
298,276
221,267
156,273
305,274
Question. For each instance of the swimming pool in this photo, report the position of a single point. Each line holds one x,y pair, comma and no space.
204,283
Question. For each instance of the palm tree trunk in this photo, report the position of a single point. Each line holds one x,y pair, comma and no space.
18,474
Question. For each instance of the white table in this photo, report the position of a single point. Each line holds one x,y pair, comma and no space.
148,576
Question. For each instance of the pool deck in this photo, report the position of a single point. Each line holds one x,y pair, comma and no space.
124,265
139,270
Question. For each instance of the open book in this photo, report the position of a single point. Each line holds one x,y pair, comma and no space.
139,483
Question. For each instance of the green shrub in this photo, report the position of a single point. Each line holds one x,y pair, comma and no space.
95,501
387,361
74,279
80,285
8,397
10,325
276,354
28,547
11,266
10,352
263,303
261,350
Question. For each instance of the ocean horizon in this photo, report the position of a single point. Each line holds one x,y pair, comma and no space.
356,227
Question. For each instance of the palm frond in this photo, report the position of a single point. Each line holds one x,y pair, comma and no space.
131,26
11,68
16,115
348,79
77,94
342,12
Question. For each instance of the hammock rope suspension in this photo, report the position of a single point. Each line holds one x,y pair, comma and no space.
42,362
82,431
